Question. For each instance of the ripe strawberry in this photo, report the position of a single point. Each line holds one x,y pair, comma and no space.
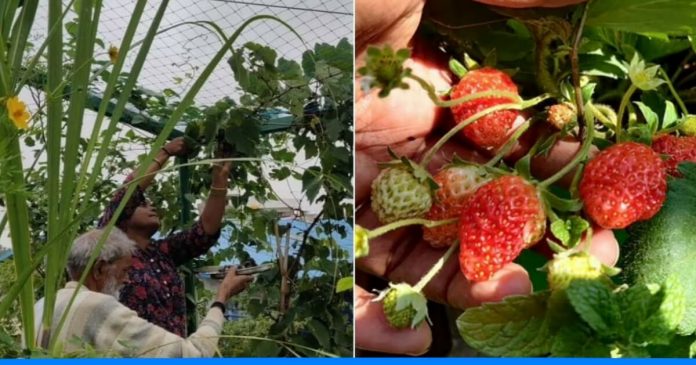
456,183
398,193
623,184
498,221
679,149
492,130
403,306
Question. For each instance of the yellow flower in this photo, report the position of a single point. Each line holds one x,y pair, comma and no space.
17,111
113,54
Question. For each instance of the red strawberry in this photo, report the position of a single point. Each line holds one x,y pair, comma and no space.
492,130
498,221
455,183
623,184
679,149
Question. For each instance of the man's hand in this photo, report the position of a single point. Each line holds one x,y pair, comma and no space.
221,174
232,284
176,147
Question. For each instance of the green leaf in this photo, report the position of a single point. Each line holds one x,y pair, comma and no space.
679,347
599,64
650,116
517,326
644,16
661,324
344,284
665,109
320,332
560,231
596,305
243,132
311,182
266,349
576,340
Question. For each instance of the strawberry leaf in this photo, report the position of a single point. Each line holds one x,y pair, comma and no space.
644,16
517,326
576,226
596,305
560,231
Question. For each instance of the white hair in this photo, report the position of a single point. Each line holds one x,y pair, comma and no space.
116,246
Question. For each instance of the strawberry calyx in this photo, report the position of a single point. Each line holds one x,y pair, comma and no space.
403,305
384,69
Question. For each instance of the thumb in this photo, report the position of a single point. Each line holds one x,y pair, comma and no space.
373,333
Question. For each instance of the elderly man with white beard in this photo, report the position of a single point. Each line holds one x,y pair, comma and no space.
96,318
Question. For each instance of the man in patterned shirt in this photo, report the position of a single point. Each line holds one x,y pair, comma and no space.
155,290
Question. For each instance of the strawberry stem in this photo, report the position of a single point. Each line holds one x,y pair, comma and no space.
408,222
435,269
575,70
436,147
510,143
674,92
622,108
464,99
582,154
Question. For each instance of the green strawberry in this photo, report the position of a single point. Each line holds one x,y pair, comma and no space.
689,126
404,307
400,192
361,242
565,268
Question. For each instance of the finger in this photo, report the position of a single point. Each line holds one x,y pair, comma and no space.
402,256
604,246
530,3
372,332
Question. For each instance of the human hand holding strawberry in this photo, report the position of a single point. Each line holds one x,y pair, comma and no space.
406,122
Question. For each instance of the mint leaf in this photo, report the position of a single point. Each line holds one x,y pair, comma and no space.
679,347
660,326
577,340
516,327
644,16
596,305
651,313
636,303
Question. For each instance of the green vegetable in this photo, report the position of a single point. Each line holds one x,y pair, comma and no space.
666,244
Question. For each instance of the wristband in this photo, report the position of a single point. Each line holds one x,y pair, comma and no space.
166,151
220,305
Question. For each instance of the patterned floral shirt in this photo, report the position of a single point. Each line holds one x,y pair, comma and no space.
155,289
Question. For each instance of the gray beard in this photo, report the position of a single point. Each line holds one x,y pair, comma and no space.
113,288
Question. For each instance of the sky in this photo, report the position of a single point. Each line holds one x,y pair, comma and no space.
178,55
